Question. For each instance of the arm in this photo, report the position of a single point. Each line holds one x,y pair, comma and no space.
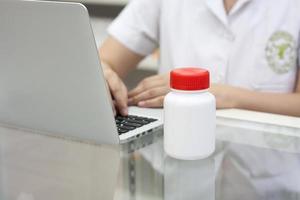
234,97
133,35
151,91
117,61
118,57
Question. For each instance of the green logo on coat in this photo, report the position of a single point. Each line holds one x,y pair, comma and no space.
281,52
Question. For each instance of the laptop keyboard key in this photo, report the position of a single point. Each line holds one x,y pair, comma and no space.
151,119
121,131
137,121
131,122
129,128
134,124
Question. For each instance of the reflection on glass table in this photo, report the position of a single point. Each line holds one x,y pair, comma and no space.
37,167
247,164
267,166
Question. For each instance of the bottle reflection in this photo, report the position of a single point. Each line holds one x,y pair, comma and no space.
189,180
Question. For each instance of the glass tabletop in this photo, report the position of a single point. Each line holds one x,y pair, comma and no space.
249,163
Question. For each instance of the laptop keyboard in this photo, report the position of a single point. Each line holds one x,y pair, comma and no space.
131,122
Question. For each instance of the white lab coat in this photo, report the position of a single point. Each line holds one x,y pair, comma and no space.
255,46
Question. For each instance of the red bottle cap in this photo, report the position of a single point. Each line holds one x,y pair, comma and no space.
189,79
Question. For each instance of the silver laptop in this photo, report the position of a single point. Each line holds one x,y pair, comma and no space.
51,80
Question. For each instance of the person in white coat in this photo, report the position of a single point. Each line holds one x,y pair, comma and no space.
250,47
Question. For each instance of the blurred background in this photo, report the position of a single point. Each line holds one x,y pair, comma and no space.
102,13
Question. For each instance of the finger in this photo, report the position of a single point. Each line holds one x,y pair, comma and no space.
148,94
120,97
119,93
114,107
147,83
156,102
111,98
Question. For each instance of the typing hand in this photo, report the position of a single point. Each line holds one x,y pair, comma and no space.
150,92
117,89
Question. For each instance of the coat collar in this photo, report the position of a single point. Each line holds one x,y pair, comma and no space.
217,8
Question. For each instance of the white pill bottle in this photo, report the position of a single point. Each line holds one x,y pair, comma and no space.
189,115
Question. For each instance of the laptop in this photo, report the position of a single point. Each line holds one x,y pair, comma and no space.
51,80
